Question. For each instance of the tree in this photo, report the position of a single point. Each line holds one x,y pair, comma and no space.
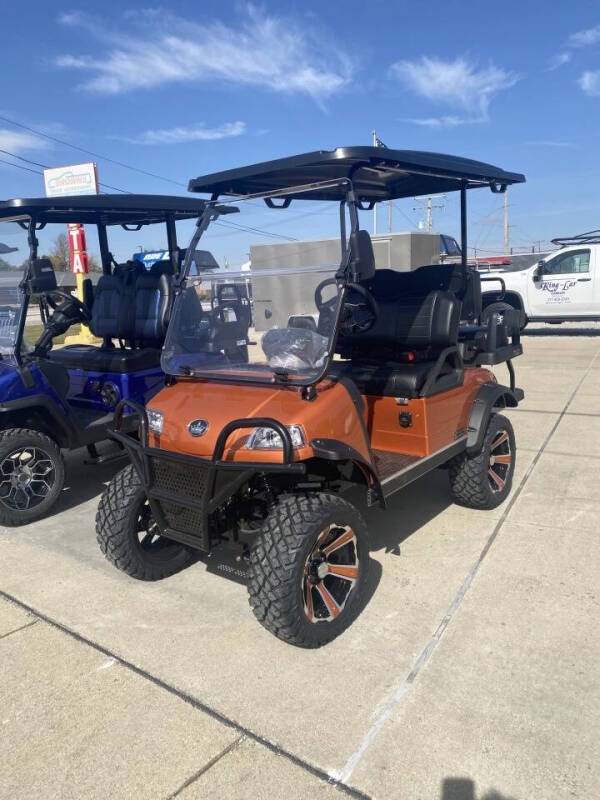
60,253
93,263
60,256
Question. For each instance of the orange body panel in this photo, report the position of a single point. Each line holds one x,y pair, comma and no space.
331,415
436,421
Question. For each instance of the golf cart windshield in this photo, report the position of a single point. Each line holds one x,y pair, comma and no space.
267,318
282,333
13,251
11,305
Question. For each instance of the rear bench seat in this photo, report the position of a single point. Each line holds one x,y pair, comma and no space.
414,337
132,306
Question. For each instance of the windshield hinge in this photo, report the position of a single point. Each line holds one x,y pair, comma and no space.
309,392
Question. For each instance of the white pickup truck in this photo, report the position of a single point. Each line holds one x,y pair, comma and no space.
563,287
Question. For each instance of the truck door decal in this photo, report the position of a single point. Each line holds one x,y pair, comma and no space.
558,291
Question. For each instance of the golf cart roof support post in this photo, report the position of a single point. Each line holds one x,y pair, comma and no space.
32,239
343,227
463,224
105,256
352,208
172,241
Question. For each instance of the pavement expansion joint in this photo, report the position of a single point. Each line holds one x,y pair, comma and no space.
345,774
336,783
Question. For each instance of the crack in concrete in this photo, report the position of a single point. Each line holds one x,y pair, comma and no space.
22,628
209,765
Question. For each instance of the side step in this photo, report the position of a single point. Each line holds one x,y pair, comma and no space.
95,458
409,468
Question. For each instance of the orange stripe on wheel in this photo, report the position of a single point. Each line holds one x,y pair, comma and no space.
343,571
502,459
309,602
333,607
500,440
498,480
339,542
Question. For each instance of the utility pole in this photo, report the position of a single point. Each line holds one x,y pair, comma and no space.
430,205
378,143
506,242
374,133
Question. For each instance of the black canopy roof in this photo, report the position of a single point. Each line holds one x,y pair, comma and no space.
107,209
377,174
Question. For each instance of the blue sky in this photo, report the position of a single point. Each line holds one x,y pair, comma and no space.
189,88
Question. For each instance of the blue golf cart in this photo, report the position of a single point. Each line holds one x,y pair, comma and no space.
62,398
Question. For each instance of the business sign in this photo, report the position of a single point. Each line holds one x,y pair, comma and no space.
77,244
150,257
71,180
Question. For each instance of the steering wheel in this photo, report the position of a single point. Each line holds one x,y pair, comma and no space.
71,300
319,302
357,316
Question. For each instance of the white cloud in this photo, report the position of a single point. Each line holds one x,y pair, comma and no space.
589,82
584,38
439,122
17,141
191,133
548,143
558,60
262,50
459,84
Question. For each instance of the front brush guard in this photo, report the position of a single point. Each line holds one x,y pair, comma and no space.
182,490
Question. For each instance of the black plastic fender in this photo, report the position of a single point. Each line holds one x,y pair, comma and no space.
334,450
64,434
489,397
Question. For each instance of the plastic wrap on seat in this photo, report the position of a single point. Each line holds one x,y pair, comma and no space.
294,348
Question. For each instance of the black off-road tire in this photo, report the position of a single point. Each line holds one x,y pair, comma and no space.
469,475
14,439
117,532
277,562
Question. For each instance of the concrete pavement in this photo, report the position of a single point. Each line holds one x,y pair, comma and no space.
472,668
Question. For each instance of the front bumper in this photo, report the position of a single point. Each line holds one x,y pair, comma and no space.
184,491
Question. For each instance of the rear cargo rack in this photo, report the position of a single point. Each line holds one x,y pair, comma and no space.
591,237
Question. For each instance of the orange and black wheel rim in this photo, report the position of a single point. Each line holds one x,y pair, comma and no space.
330,573
500,461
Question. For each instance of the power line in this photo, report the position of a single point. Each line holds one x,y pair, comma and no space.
90,152
248,229
19,166
45,166
405,215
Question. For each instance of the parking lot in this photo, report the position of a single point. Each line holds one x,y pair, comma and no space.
471,672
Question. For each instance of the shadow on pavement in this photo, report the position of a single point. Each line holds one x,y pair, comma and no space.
84,481
464,789
408,511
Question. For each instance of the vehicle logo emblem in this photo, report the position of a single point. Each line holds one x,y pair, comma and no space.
198,427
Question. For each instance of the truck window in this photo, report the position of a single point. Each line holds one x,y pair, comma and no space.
573,261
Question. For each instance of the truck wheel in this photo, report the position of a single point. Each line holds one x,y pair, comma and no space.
484,480
128,535
32,475
501,309
308,568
